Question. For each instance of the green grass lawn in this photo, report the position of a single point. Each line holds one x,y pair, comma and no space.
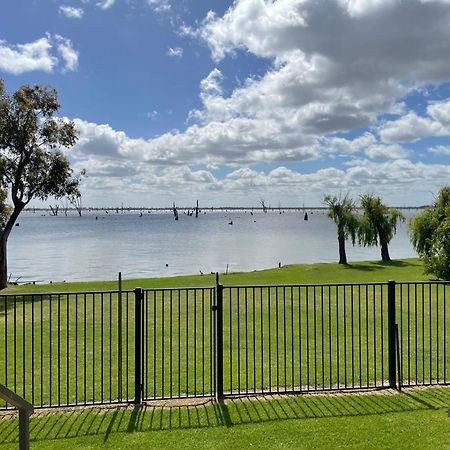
274,338
412,419
356,272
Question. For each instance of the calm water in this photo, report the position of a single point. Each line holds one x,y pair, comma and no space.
83,248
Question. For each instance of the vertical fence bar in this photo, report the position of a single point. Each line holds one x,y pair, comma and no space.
219,342
391,335
399,367
137,346
119,338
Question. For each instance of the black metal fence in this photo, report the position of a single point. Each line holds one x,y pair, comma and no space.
85,348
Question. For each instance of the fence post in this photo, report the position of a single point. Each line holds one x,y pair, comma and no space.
391,335
24,429
137,346
219,341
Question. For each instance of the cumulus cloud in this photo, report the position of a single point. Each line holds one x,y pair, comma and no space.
386,152
67,52
343,146
332,68
233,142
211,85
335,69
165,164
21,58
71,12
389,179
39,55
411,127
362,7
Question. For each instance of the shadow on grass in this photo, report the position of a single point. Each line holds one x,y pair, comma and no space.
229,413
16,302
377,265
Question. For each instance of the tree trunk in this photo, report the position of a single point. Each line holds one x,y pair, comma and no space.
385,252
342,254
4,235
3,262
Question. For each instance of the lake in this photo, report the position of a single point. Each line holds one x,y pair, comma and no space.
48,248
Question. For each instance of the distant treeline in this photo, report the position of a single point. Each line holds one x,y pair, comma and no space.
209,208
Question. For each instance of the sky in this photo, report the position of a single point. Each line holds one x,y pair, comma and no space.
234,102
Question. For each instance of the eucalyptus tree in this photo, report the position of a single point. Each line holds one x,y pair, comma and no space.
32,165
341,210
377,224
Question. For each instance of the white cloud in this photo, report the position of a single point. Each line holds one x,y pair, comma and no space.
440,150
334,67
71,12
106,4
164,167
152,115
159,5
386,152
211,84
440,112
21,58
362,7
342,146
237,141
333,70
67,52
175,52
411,127
40,55
246,185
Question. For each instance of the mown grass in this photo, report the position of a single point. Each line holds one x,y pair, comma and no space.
412,419
357,272
65,348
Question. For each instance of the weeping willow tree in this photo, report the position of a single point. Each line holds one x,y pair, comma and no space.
378,224
429,232
341,210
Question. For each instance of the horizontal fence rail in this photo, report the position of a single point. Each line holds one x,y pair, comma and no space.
85,348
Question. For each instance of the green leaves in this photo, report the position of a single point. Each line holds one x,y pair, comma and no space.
430,235
31,164
378,223
342,211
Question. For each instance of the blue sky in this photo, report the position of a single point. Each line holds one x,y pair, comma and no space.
230,102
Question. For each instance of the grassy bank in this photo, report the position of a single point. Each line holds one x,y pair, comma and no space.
357,272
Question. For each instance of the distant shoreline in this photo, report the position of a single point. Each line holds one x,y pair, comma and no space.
209,208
